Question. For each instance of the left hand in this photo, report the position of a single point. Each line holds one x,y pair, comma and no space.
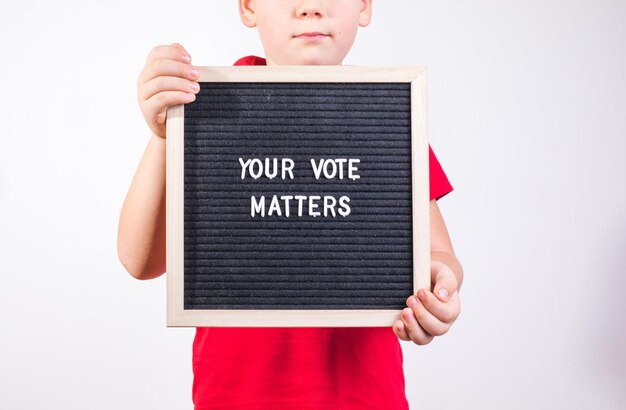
430,314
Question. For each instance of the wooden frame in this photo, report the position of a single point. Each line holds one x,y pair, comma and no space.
178,316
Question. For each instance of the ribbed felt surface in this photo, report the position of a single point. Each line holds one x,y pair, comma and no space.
236,261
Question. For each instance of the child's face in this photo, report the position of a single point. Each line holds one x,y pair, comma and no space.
306,32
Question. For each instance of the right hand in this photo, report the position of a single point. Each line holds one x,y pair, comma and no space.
167,79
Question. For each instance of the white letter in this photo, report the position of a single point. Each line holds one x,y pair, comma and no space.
300,198
259,165
317,170
352,168
328,206
258,207
274,207
286,198
332,174
341,162
287,168
243,167
313,206
267,168
345,208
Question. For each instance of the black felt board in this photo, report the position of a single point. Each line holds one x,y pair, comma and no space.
235,261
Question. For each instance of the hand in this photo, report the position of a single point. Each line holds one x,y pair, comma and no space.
167,79
431,313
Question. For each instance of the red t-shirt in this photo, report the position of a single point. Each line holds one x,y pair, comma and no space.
302,368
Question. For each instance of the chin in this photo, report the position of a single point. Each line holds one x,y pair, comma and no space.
317,60
314,57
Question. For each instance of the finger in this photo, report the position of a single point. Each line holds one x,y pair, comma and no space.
417,334
160,84
444,280
158,103
166,67
446,312
398,329
174,52
426,319
180,46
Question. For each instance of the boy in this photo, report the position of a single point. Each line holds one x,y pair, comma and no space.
305,368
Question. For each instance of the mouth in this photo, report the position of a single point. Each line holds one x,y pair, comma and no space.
312,36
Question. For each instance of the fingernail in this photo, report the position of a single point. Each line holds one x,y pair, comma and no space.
195,87
186,59
407,314
421,294
194,72
443,293
412,302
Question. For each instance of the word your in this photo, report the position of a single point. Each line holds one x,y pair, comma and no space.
256,169
315,205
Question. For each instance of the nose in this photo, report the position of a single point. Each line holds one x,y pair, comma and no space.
309,9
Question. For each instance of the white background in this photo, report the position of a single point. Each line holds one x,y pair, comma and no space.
527,115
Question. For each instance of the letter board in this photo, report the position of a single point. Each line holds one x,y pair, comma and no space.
297,196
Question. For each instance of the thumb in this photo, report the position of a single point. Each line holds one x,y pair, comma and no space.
445,282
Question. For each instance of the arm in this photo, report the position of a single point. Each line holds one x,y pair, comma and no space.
440,244
432,313
168,79
141,232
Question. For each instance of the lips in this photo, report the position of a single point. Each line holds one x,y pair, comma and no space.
312,35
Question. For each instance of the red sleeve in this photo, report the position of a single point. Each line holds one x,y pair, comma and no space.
439,184
250,60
